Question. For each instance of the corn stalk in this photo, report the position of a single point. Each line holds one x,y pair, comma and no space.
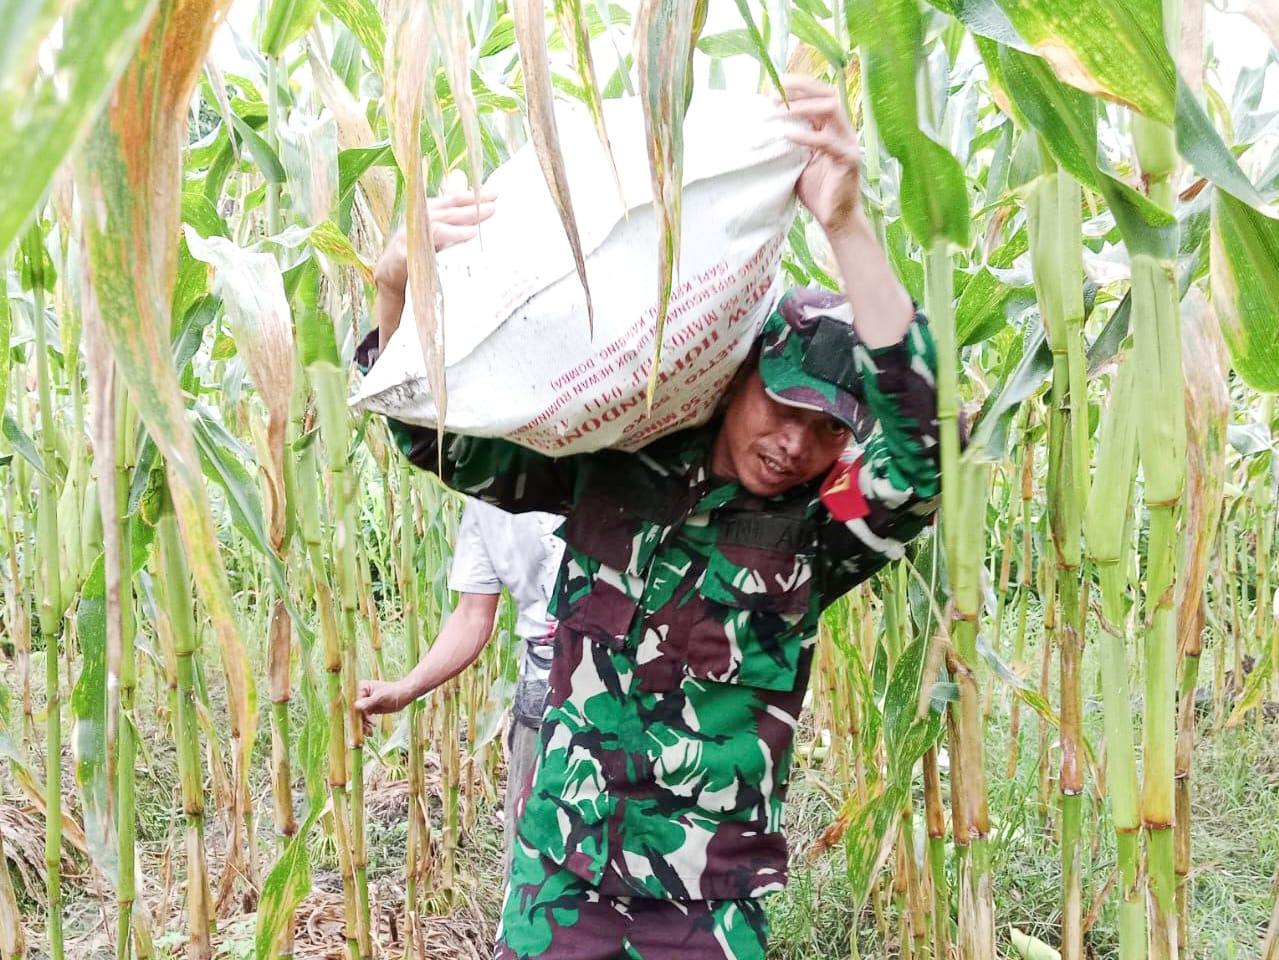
50,599
1108,526
337,627
182,631
1054,226
1156,325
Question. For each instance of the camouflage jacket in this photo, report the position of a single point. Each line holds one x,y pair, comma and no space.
688,613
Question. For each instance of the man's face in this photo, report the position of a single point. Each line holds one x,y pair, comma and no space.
770,447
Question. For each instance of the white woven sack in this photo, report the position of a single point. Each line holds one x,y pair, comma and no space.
520,361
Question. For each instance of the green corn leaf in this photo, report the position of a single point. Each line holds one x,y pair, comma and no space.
1245,288
313,742
1066,121
89,710
776,28
220,169
806,27
199,211
1254,690
263,155
23,445
353,163
1198,141
1064,118
40,123
985,18
984,307
804,257
223,459
362,19
1111,339
316,337
733,43
989,440
1113,50
191,283
934,193
89,702
928,585
869,840
500,38
327,239
287,21
284,888
758,48
879,672
1201,145
186,343
347,61
984,302
902,720
223,347
907,737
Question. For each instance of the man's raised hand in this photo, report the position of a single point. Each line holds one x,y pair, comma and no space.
454,218
831,182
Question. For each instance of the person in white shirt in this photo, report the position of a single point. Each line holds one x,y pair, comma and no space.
494,549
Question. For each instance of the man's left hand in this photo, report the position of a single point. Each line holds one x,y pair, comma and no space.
830,185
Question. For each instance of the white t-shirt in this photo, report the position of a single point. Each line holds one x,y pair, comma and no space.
519,551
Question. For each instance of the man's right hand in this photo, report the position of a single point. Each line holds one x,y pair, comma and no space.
381,696
454,218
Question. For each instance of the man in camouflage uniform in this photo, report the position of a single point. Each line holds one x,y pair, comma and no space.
689,597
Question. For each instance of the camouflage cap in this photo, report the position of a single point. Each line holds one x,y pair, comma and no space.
806,355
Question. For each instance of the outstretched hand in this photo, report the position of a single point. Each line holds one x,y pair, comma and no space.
380,696
830,185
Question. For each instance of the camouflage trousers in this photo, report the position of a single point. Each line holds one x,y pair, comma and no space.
554,914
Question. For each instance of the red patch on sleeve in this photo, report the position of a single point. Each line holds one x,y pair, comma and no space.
841,492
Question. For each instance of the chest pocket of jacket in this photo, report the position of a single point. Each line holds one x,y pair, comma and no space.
618,524
755,596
